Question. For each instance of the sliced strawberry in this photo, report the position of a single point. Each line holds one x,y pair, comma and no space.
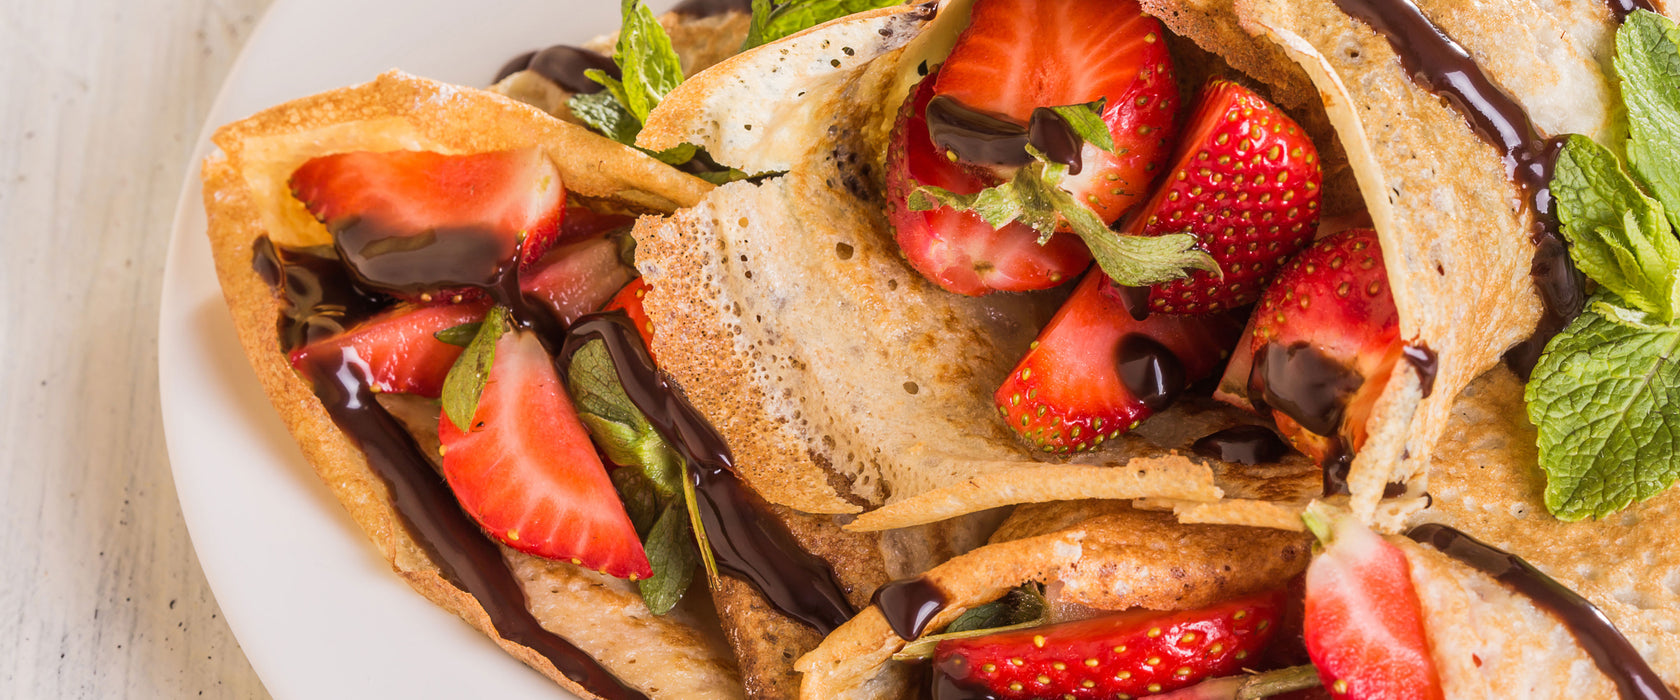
1364,625
577,276
528,473
1246,181
398,349
1124,655
629,300
580,221
1096,372
1326,337
956,249
1017,55
424,225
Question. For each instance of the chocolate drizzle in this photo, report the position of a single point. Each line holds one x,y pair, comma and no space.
1611,651
1135,299
1445,68
947,681
386,259
1304,383
1338,463
983,139
1150,371
1242,444
755,549
319,299
909,605
1426,362
1622,8
310,290
564,66
711,8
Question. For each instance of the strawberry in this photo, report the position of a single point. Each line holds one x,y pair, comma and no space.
1326,337
527,472
1123,655
579,221
1018,55
397,350
577,276
1363,624
629,300
1096,372
424,225
1247,182
957,250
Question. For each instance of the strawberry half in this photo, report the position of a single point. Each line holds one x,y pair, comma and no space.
528,473
629,300
577,276
1096,372
398,349
1017,55
1364,625
1247,182
958,250
1124,655
1326,337
427,225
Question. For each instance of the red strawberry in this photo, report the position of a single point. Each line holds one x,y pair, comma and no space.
1017,55
528,473
397,349
577,276
629,300
1125,655
1246,181
1364,625
424,225
1096,372
580,221
956,249
1326,337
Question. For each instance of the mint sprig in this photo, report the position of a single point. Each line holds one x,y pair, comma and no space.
772,20
1034,198
1605,396
464,384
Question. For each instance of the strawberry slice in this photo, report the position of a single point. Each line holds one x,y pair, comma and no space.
1096,372
577,276
397,349
1017,55
1364,625
528,473
579,221
1247,182
958,250
426,225
1326,337
629,300
1123,655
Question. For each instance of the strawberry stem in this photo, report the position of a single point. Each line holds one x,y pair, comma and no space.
1278,682
1320,522
707,558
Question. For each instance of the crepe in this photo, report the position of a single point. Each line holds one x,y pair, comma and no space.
246,196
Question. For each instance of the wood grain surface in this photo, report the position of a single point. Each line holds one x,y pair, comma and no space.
100,593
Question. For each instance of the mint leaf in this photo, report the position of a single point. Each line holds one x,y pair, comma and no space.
1034,198
1606,400
459,336
1648,61
1020,608
649,62
671,553
464,384
1086,121
605,113
774,20
696,161
1621,238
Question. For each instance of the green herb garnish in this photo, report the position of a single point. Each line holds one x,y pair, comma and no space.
464,384
774,19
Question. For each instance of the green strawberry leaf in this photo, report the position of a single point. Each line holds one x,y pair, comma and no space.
464,384
1621,238
459,336
1648,62
772,20
671,553
1606,399
1086,121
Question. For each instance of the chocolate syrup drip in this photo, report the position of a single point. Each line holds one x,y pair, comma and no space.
1243,444
753,548
1426,362
947,681
1562,297
1150,371
420,496
1337,464
319,298
513,65
991,140
564,66
1445,68
386,259
1611,651
1305,384
1135,299
909,604
1622,8
711,8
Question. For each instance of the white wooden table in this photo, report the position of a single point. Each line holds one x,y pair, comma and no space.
100,593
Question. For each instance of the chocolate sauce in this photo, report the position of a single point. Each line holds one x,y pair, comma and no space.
1053,136
565,65
513,65
974,136
386,259
1150,371
1426,362
947,682
1562,297
711,8
1243,444
1445,68
748,546
1135,299
318,297
909,605
1612,652
1622,8
1337,464
422,499
1305,384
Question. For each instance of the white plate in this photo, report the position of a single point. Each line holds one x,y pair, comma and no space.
318,612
